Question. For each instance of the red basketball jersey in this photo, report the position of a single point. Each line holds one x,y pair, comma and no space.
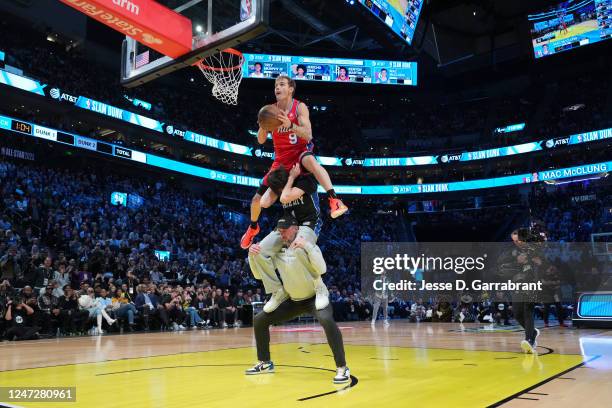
287,145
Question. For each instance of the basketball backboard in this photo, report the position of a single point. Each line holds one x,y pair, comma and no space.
216,25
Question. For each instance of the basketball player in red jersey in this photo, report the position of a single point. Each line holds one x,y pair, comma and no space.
292,144
563,24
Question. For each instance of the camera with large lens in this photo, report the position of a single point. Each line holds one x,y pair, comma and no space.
535,234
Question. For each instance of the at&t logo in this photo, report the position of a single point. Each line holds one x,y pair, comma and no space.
353,162
174,132
55,93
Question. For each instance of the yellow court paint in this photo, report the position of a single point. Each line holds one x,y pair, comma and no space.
573,30
416,377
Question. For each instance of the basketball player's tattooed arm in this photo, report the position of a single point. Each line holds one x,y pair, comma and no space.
291,193
304,129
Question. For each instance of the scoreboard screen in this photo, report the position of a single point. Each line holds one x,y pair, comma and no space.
324,69
401,16
570,24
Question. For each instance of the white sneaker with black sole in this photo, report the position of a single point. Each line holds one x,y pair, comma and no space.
275,301
262,367
343,375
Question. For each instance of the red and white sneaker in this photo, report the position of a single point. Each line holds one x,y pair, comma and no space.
337,207
247,238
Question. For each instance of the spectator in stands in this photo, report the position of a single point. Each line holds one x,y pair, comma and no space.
442,313
96,309
172,311
10,268
194,318
123,308
227,309
61,278
147,303
73,319
48,304
44,274
418,311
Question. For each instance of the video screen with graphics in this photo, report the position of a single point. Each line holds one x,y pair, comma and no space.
401,16
324,69
570,24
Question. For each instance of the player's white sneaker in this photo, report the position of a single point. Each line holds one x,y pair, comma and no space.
275,301
262,367
527,347
322,296
343,375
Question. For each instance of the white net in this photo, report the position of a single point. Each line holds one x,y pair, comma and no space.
224,71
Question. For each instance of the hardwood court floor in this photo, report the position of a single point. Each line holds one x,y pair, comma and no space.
424,365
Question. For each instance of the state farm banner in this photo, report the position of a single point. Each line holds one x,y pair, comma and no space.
146,21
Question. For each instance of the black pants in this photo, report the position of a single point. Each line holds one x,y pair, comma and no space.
523,313
48,322
73,320
157,315
227,316
174,314
558,310
22,333
289,310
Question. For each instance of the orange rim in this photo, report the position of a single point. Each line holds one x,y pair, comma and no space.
232,51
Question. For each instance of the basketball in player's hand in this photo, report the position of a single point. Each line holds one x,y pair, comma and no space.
267,118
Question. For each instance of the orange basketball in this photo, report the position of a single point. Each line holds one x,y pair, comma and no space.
267,117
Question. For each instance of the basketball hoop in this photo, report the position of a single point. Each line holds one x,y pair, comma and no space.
224,71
